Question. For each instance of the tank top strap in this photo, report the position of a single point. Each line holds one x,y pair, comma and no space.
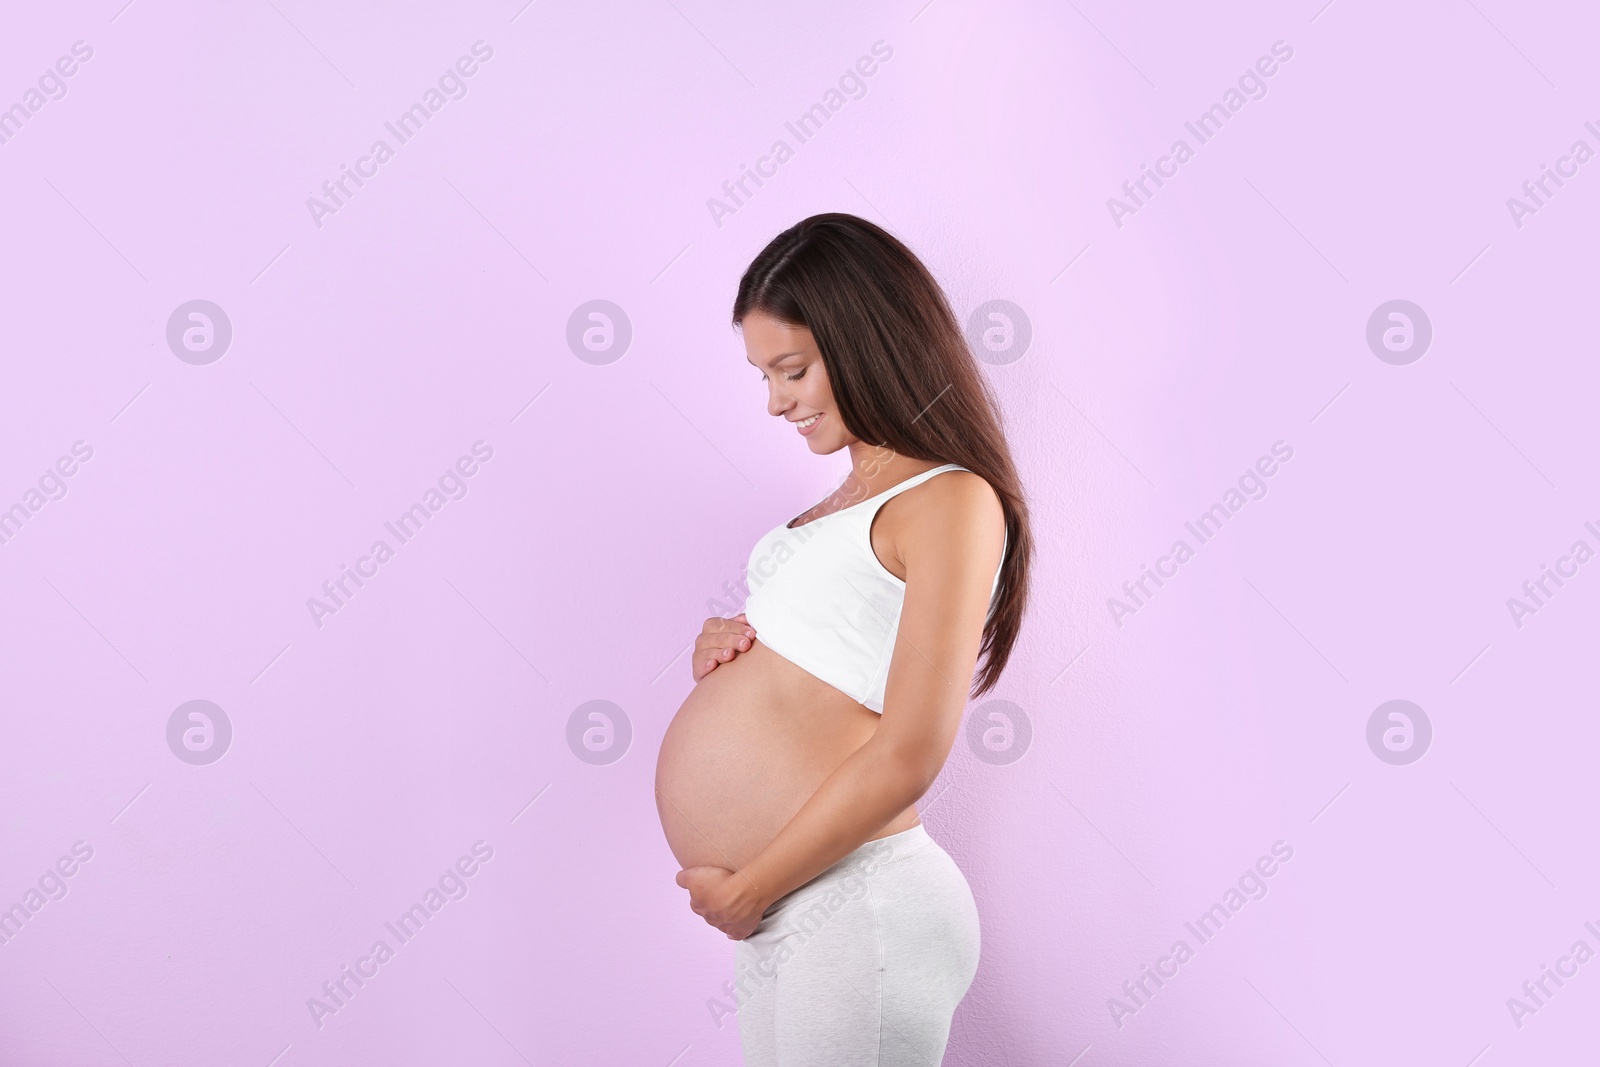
910,483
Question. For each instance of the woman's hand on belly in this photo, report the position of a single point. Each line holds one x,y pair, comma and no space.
725,899
719,641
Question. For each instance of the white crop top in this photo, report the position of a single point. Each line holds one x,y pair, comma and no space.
820,598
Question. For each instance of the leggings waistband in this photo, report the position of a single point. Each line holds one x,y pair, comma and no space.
864,860
899,845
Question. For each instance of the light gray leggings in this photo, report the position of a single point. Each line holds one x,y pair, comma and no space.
864,965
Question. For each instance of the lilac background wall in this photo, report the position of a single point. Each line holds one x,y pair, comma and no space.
1170,748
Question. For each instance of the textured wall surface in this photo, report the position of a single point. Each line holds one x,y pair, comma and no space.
1302,722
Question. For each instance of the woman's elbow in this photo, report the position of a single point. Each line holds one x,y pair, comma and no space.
912,768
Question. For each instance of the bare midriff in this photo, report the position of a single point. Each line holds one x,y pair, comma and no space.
746,750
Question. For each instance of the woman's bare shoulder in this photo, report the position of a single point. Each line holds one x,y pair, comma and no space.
958,504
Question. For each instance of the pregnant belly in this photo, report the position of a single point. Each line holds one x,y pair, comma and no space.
746,750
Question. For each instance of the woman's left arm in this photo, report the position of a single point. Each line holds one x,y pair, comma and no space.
950,546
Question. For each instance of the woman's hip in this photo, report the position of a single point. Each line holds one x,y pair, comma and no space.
897,901
865,964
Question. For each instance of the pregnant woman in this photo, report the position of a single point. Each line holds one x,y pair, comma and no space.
787,782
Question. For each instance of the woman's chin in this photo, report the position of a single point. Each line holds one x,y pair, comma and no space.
823,445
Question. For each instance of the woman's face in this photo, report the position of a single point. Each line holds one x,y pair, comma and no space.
797,383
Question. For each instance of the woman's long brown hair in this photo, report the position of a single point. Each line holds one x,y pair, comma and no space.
901,373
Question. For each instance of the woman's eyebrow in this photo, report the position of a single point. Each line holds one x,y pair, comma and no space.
775,360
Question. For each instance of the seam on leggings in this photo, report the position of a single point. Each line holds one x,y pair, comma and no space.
883,965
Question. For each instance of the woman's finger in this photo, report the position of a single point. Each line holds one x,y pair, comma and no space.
738,624
717,642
